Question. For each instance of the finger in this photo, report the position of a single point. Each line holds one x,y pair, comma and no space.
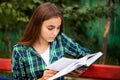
68,74
49,75
82,69
79,71
74,74
51,71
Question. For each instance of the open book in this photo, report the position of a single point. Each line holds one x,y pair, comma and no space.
66,65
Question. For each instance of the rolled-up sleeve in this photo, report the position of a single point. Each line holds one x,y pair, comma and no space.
73,48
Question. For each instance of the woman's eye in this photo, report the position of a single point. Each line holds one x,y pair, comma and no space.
58,28
50,28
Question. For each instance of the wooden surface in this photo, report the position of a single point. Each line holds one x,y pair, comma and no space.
104,72
5,64
96,71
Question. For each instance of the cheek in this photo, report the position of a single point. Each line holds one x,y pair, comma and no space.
58,32
47,33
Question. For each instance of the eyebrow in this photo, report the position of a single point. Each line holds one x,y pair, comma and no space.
53,26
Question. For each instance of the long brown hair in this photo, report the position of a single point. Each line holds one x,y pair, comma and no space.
43,12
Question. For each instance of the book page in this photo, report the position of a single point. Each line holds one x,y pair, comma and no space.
66,65
74,65
93,58
66,70
61,64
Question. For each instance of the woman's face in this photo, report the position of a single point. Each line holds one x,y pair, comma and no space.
50,29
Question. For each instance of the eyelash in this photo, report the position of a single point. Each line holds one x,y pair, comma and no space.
52,28
58,28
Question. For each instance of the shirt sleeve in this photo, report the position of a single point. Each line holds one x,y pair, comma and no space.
73,48
22,67
18,71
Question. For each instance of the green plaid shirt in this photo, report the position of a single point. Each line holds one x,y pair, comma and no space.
27,64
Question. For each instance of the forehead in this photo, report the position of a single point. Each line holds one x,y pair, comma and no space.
53,21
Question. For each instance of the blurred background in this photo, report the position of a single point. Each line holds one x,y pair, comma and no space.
94,24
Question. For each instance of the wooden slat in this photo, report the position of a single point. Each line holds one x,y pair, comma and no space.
99,71
96,71
5,64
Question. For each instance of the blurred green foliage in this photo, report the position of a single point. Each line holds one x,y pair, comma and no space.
84,21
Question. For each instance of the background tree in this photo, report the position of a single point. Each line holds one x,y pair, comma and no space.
109,12
84,22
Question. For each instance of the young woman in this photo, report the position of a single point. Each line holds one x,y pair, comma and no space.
43,43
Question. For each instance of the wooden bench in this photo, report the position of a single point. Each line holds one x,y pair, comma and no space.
96,71
104,72
5,64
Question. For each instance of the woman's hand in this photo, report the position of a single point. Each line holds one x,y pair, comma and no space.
77,72
47,74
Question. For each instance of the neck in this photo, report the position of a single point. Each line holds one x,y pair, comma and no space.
41,46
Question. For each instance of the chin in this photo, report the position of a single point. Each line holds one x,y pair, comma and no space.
50,40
